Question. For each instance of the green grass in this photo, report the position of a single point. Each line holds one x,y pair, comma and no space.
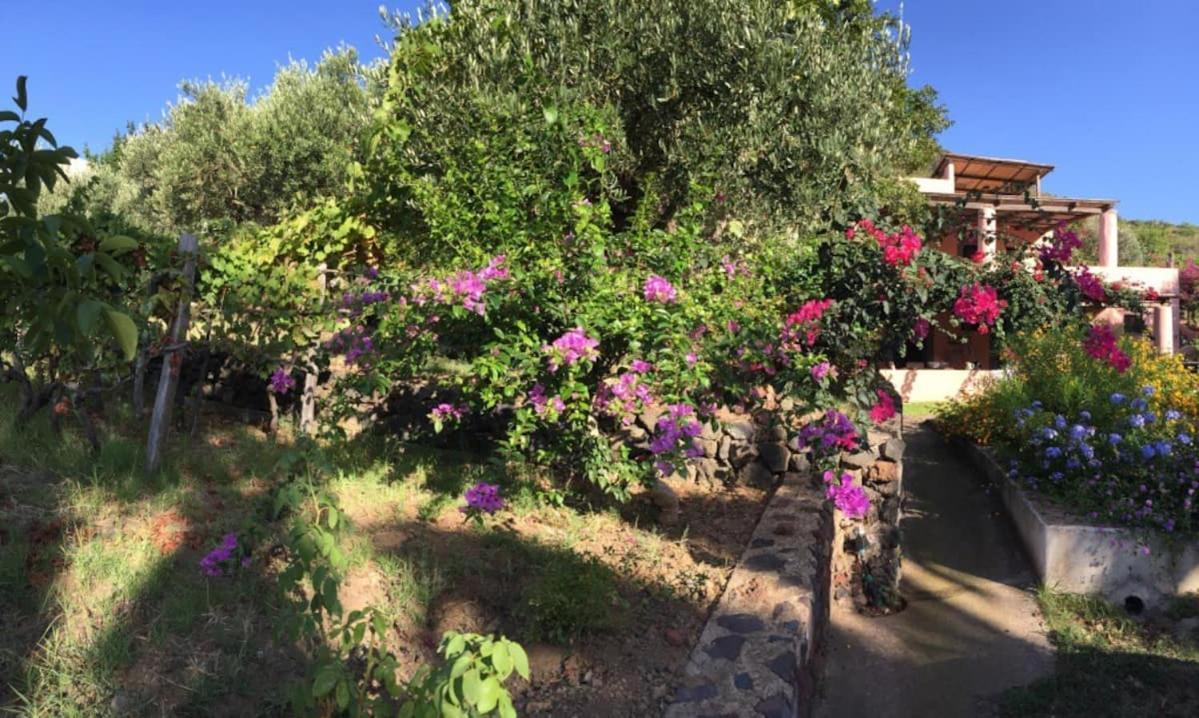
1108,665
916,410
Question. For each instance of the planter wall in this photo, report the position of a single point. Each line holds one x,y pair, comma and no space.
1074,556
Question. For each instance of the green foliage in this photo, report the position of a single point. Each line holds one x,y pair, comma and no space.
797,113
567,599
60,280
470,682
350,672
218,159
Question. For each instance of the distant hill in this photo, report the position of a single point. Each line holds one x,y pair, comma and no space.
1158,239
1146,243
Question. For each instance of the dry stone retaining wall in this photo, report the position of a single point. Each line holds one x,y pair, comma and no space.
759,653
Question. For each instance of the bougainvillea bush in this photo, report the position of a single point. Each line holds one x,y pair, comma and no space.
1104,424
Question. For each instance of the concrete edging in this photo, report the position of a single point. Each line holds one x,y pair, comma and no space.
1070,555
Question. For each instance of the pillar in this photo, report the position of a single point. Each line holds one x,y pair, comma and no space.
1163,327
987,232
1109,239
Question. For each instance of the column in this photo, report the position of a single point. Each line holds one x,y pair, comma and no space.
1163,327
1109,239
987,231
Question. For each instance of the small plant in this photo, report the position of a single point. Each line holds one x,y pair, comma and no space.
351,672
470,682
482,499
568,599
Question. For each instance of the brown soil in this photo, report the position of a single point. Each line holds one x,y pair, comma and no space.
666,583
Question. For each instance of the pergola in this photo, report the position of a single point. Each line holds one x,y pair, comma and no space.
990,191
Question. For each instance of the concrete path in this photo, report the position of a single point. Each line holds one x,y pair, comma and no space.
971,627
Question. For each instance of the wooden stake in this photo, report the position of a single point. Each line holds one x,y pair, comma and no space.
172,357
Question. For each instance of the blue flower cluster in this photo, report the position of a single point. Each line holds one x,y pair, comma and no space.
1131,467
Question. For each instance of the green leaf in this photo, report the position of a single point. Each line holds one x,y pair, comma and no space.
343,695
123,330
472,687
326,678
519,659
117,243
502,660
87,314
22,98
489,695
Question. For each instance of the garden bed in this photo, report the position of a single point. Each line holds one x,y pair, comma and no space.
1074,555
106,613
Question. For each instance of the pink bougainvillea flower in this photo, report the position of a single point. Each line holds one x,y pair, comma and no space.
884,408
921,327
899,248
573,346
1091,286
979,305
1061,247
658,289
1100,343
850,499
821,370
802,327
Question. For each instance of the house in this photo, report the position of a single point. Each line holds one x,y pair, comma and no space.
992,204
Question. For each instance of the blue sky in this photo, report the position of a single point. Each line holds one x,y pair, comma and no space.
1103,89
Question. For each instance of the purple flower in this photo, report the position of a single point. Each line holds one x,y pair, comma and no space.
657,289
850,499
482,497
214,564
281,382
639,366
445,412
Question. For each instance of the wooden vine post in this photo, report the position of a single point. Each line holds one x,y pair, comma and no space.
308,398
172,356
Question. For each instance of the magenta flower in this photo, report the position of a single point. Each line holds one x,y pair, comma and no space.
572,347
658,289
921,327
821,370
884,408
219,561
851,500
1101,344
980,305
640,366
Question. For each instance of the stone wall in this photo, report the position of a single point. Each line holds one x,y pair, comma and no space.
737,449
759,654
867,552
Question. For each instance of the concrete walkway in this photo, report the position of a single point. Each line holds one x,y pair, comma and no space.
971,628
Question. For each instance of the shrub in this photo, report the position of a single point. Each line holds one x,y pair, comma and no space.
1111,439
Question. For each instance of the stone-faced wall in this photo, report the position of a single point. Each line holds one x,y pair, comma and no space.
756,655
759,653
737,449
867,552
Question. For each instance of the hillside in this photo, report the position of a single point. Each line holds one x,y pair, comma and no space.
1146,242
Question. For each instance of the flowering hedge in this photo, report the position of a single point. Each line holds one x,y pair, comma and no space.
1105,425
